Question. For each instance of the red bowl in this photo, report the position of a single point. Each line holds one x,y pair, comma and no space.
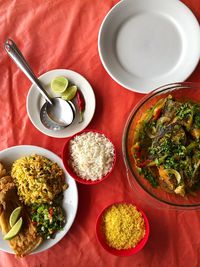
121,252
66,160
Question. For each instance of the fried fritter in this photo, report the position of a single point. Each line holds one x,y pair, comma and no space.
28,239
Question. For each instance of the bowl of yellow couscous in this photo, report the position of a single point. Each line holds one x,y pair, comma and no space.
122,229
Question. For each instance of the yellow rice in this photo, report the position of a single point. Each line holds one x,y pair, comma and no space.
38,179
123,226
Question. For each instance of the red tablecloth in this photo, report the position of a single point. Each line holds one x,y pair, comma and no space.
63,34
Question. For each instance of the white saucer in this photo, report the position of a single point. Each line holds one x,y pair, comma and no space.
35,101
144,44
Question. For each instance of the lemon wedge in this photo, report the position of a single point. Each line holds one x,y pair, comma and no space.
14,230
69,93
59,84
14,216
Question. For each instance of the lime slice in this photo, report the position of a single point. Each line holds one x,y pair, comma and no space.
14,230
70,93
14,216
59,84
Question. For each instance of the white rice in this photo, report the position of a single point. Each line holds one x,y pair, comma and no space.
91,155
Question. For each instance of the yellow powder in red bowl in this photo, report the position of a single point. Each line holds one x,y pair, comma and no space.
123,226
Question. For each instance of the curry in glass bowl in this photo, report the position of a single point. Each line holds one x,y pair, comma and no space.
161,145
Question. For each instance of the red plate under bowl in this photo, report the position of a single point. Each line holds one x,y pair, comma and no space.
66,160
121,252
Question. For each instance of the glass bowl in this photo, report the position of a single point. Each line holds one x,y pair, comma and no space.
157,196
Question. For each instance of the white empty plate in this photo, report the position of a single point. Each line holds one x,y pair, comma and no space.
35,101
144,44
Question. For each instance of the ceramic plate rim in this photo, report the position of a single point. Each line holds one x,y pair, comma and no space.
15,150
132,88
75,127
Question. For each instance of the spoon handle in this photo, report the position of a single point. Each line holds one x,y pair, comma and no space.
21,62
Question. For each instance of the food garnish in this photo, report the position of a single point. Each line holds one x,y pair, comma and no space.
48,218
91,155
59,84
14,230
69,93
81,105
123,226
14,216
166,146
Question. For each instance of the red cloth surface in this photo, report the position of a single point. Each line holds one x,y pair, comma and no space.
63,34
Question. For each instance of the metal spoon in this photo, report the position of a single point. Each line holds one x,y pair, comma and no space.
56,113
47,121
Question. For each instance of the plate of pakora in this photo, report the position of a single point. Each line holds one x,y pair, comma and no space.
37,197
